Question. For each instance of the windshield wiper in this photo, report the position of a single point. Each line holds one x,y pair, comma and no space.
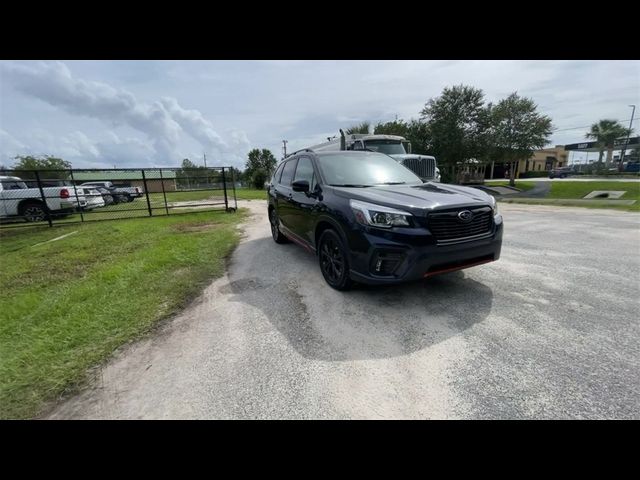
392,183
349,185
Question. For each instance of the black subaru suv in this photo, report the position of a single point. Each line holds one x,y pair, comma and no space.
371,220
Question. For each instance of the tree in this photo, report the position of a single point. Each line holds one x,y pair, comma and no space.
260,165
57,167
234,173
517,129
396,127
456,124
605,133
191,175
360,128
414,131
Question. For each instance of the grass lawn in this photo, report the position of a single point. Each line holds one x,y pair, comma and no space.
68,304
157,199
564,191
521,185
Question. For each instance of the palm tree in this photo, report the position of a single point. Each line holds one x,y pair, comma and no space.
605,133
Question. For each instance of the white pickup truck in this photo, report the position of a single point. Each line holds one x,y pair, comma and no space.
18,200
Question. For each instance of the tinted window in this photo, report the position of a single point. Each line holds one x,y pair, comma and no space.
13,185
276,176
305,172
287,173
363,168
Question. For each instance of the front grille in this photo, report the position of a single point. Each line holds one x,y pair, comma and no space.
424,167
447,227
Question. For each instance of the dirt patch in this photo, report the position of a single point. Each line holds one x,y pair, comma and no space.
194,227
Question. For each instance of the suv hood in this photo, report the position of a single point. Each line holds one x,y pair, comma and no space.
417,199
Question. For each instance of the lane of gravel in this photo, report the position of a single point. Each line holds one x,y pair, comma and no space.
549,331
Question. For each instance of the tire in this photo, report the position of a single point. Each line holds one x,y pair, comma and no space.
33,212
334,261
276,234
129,198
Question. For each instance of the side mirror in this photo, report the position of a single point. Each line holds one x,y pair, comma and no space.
300,186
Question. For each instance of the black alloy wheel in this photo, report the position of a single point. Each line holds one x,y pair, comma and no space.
334,263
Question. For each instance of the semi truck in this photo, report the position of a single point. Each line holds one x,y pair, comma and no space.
397,147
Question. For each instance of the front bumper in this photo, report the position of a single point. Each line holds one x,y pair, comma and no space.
417,257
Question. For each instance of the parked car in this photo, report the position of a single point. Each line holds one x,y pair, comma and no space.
94,198
369,219
119,195
106,195
562,172
133,192
632,167
18,200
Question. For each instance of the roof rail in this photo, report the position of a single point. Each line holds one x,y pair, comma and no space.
298,151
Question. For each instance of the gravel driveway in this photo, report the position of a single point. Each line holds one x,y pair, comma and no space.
551,330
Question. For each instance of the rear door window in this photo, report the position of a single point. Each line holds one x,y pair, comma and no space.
276,176
287,172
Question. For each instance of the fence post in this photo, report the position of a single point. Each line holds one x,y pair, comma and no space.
75,190
164,195
224,186
233,184
44,199
146,192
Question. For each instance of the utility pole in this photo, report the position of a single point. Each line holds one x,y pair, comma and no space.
205,160
284,149
633,112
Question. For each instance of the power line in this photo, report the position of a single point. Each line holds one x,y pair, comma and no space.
585,126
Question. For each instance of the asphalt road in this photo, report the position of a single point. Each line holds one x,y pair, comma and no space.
549,331
570,179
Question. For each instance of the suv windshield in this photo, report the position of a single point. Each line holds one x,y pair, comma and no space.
390,147
363,169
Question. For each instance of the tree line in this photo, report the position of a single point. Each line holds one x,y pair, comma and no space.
460,128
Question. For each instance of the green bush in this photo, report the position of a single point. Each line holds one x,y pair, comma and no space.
532,174
258,178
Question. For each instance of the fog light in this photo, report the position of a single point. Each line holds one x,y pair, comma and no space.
385,262
378,264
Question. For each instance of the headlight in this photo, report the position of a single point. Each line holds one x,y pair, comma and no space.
379,216
494,205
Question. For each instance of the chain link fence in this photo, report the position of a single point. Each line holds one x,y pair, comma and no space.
52,197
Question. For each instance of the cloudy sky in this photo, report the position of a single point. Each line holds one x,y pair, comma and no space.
155,113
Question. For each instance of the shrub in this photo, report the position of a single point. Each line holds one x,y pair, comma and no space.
258,178
532,174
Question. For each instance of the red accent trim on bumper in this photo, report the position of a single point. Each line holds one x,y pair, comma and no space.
458,267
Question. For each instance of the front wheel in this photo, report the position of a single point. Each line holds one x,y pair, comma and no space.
334,263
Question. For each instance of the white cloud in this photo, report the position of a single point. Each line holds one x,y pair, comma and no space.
163,122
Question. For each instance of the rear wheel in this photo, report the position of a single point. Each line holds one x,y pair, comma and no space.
33,212
277,235
334,263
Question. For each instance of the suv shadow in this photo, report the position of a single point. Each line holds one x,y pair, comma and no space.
365,323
